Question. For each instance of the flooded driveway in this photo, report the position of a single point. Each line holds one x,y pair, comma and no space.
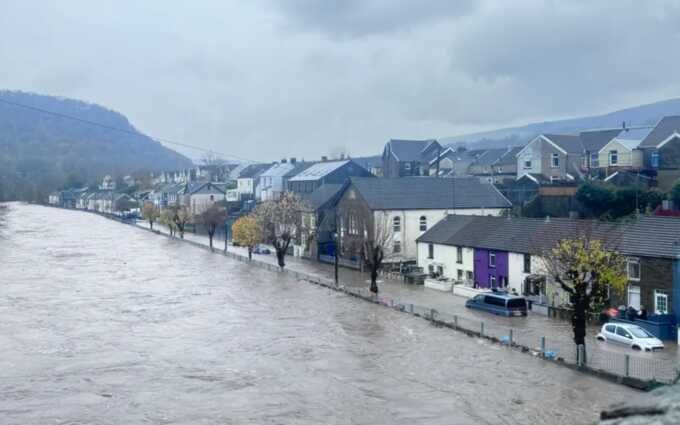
104,323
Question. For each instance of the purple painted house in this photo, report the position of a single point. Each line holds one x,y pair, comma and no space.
490,268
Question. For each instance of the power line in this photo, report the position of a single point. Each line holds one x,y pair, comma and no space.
121,130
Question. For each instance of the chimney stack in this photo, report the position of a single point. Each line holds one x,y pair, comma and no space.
324,158
293,160
284,160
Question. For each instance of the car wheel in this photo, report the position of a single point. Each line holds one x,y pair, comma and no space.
600,338
636,348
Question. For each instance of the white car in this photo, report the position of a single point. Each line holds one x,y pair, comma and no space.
631,335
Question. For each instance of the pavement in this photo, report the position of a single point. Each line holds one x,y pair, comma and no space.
527,330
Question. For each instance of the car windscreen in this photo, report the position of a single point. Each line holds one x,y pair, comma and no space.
640,333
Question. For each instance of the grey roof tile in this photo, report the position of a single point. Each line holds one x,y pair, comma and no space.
666,127
428,193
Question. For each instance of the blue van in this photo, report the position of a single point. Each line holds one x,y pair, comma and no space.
500,303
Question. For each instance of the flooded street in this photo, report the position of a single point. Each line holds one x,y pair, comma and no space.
104,323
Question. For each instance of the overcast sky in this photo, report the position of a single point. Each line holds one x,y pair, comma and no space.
265,79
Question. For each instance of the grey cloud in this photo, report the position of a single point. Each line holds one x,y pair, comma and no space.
365,17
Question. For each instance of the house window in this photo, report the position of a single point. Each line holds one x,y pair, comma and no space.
440,270
492,281
594,160
613,157
633,266
555,160
459,255
353,228
459,274
527,263
396,224
660,302
430,250
527,163
654,160
492,259
407,166
468,276
430,269
423,223
397,247
212,198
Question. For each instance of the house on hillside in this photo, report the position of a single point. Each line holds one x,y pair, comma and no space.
203,196
405,208
405,158
274,181
661,151
248,180
553,156
454,162
488,252
496,165
372,164
325,172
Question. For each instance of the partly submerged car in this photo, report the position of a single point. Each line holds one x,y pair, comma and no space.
631,335
500,303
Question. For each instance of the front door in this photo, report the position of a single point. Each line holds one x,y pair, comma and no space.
634,297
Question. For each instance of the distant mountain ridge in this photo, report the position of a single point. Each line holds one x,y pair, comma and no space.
648,114
39,152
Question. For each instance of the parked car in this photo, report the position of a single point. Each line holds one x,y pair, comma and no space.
631,335
500,303
261,250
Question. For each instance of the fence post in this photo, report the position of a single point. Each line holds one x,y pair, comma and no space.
432,313
542,346
580,355
410,308
626,365
510,337
481,329
455,321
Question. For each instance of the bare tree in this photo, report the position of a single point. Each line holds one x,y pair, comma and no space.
150,213
212,218
585,265
369,236
281,221
167,218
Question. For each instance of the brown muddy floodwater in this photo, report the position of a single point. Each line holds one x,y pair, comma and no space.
102,323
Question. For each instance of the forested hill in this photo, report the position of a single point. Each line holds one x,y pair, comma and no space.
42,152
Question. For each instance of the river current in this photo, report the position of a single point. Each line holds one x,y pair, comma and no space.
102,323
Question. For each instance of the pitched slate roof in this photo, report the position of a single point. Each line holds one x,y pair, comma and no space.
570,143
510,157
595,140
320,170
490,156
298,167
419,193
207,187
253,170
409,150
645,236
666,127
322,195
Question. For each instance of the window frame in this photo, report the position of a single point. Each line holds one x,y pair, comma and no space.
663,294
422,222
430,251
527,163
492,255
654,159
614,157
396,247
554,160
527,263
459,255
629,262
396,224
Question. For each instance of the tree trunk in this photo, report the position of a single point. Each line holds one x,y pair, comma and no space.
578,322
151,224
250,253
374,280
280,256
210,237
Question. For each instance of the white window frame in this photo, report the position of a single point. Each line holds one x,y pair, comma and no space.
555,160
630,261
459,255
422,222
660,294
637,291
396,248
396,224
528,163
614,154
492,254
430,251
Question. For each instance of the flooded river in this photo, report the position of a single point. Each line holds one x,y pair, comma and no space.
102,323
